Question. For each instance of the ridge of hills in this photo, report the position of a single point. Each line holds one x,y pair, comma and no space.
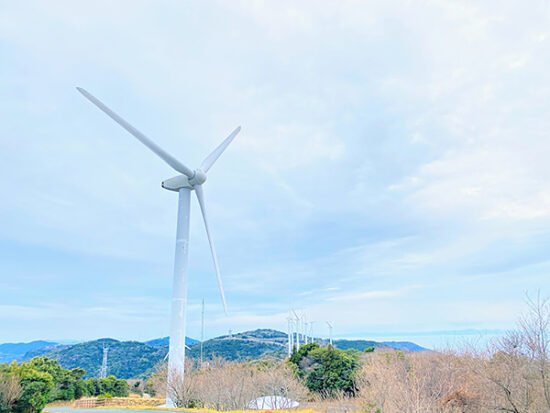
134,359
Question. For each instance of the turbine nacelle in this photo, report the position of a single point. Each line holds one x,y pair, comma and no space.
182,181
176,183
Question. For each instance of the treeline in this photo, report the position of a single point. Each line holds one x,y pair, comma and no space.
28,387
312,372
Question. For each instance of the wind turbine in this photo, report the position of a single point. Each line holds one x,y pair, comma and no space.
297,324
329,332
311,339
305,329
187,181
290,335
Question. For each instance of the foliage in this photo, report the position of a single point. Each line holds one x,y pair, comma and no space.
110,386
326,370
36,385
29,386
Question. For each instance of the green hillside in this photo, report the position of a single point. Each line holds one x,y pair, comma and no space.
250,345
357,344
126,359
132,359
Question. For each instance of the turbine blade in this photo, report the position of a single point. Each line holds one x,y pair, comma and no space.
165,156
200,197
210,159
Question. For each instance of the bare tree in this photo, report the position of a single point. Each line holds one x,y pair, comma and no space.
229,386
411,382
10,390
534,332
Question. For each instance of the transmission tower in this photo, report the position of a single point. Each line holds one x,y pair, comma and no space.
103,371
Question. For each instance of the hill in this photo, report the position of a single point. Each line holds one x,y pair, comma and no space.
126,359
16,351
249,345
133,359
404,345
159,342
358,344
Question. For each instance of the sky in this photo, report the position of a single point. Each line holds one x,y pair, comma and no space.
391,175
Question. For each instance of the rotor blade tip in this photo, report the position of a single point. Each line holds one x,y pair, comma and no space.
82,91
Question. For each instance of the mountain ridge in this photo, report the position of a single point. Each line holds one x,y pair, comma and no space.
134,359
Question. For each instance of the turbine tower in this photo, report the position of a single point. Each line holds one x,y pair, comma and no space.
187,181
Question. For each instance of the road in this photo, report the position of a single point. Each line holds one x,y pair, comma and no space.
68,409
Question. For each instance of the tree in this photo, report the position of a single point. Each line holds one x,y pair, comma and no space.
326,370
10,389
110,385
36,387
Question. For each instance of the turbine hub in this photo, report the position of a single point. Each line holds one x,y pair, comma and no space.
198,178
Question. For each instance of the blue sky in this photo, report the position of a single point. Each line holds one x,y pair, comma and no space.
391,176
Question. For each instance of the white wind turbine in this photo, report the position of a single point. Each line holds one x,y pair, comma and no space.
184,183
329,332
297,325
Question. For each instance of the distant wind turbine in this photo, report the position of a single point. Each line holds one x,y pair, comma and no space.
290,335
329,332
184,183
297,324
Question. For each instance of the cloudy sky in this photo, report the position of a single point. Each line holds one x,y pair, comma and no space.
392,175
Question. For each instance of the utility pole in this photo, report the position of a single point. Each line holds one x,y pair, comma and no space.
202,330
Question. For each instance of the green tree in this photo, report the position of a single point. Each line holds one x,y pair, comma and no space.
68,384
326,370
110,385
36,388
